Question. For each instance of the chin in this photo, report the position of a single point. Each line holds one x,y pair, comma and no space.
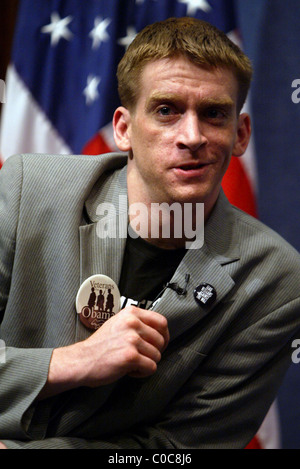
190,197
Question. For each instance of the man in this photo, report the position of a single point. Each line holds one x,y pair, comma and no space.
198,368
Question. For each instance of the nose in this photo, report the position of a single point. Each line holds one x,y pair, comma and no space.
190,134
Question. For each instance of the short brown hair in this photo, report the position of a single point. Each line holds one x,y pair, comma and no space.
199,41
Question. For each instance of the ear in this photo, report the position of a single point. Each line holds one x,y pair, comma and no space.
121,125
243,134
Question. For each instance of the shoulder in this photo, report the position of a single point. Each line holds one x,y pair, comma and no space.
49,172
255,235
263,251
231,233
48,184
42,163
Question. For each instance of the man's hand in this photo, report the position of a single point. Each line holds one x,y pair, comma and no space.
2,446
129,343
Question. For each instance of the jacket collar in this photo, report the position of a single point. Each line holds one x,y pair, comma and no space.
220,232
103,238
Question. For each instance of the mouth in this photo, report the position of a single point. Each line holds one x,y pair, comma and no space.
192,168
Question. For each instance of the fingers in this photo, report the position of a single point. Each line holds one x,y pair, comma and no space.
155,326
137,342
151,339
145,336
141,358
150,326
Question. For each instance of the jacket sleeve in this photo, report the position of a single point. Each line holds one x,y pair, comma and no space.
23,372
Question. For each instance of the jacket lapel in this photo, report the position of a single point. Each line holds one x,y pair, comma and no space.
204,265
183,312
103,239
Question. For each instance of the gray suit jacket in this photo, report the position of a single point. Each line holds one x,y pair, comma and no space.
224,363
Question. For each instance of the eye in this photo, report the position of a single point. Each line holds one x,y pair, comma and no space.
215,113
165,111
216,116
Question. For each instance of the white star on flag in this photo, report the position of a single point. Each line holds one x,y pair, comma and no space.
90,91
127,40
58,28
194,5
99,33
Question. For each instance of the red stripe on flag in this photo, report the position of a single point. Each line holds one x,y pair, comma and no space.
254,444
96,146
237,187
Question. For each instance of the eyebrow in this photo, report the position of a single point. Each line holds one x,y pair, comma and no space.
157,98
219,102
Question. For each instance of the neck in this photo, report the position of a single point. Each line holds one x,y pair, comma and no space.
169,226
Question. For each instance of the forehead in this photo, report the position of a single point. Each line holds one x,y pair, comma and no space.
182,77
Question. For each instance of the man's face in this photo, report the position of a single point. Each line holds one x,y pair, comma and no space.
181,133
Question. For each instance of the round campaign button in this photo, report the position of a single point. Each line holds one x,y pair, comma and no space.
97,300
205,294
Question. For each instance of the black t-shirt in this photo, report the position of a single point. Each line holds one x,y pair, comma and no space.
145,271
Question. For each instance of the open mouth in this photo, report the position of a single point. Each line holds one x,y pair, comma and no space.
190,167
192,170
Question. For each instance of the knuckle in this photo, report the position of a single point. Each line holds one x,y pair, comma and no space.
130,309
158,357
131,356
127,323
161,320
133,339
130,321
152,367
164,322
161,343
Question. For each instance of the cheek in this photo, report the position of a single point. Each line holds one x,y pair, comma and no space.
149,146
142,138
222,147
147,155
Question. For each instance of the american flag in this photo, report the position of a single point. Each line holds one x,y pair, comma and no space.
61,88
